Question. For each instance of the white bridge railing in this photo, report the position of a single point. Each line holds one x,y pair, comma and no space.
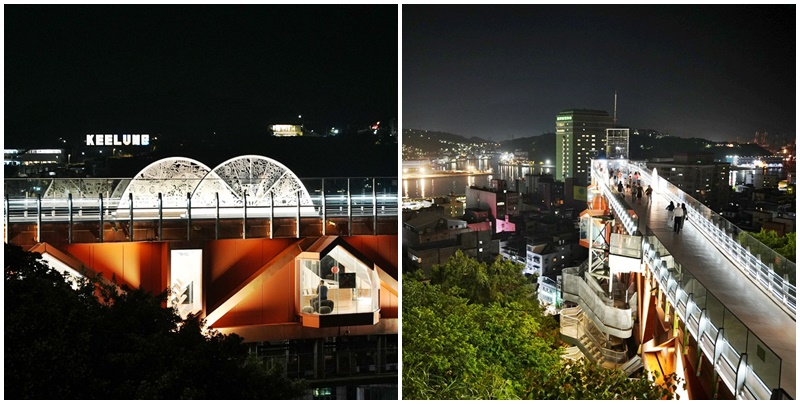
723,234
747,379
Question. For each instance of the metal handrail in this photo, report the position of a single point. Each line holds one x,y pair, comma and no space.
577,321
707,331
779,284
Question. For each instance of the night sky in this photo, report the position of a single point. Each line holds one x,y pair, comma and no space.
502,72
190,71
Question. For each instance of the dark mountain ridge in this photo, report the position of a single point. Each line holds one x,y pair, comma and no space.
543,147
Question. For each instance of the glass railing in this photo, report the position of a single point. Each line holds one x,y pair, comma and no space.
720,334
615,199
772,271
95,209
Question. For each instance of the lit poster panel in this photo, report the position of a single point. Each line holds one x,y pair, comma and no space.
621,264
186,280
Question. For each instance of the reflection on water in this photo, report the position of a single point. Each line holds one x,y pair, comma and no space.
468,164
510,172
441,186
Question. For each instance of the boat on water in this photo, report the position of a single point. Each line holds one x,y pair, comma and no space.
416,205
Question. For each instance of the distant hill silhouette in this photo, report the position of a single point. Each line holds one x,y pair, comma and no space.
431,139
543,147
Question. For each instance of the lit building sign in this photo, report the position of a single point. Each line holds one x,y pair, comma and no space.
118,140
563,118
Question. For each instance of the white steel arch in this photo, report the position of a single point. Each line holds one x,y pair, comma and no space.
261,178
173,177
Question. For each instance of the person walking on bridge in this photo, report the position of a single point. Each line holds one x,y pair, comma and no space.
648,193
639,193
670,214
679,214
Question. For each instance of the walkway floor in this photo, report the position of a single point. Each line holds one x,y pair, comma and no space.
723,279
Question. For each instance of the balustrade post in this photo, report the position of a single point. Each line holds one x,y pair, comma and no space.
349,210
188,216
760,265
38,218
7,207
374,209
297,223
69,220
160,215
244,216
216,215
130,212
271,214
324,211
101,217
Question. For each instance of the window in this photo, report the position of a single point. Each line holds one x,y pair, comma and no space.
348,284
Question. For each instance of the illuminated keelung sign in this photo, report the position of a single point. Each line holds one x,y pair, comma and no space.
118,140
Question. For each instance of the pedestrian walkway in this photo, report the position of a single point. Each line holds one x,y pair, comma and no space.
724,280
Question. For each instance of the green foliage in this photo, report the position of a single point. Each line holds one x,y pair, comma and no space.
500,282
475,331
784,245
456,350
585,380
100,342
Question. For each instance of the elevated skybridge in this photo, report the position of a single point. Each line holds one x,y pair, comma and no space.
179,198
736,301
369,208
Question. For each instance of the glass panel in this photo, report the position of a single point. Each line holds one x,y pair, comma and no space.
764,362
735,332
309,283
715,311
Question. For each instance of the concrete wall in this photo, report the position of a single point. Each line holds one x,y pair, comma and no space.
617,322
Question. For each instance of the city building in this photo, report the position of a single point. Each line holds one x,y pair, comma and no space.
543,191
431,239
549,293
512,248
580,136
501,203
547,259
35,161
416,166
451,205
34,157
281,130
698,175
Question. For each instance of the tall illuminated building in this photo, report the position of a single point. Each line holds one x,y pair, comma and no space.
580,136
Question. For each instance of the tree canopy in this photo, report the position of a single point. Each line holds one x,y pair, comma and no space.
98,341
475,331
785,245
